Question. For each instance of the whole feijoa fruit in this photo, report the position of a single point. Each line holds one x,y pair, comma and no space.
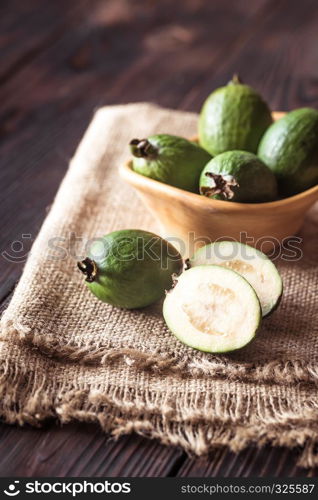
169,159
290,148
130,268
233,117
252,264
238,176
212,309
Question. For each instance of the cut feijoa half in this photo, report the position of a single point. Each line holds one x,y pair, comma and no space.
252,264
212,309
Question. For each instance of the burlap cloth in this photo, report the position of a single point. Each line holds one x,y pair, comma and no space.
66,355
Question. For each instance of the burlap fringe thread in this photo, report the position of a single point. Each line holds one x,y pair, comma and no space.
198,431
284,372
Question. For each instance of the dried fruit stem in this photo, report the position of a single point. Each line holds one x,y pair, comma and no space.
220,184
236,79
143,149
89,268
187,264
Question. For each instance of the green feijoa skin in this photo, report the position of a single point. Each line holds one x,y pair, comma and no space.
290,148
252,264
212,309
238,176
169,159
130,268
233,117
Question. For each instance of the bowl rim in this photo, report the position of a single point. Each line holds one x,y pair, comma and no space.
139,180
149,184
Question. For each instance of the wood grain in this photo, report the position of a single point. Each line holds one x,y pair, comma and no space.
81,450
61,60
252,462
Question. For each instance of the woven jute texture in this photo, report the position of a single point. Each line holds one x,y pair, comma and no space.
68,356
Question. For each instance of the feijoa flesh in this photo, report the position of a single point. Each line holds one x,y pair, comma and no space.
233,117
238,176
212,309
169,159
250,263
290,148
130,268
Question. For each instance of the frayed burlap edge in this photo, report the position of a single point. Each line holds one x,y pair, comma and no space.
278,371
196,426
198,431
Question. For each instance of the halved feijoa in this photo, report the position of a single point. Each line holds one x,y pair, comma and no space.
252,264
212,309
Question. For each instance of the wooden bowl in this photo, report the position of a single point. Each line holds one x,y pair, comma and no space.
190,220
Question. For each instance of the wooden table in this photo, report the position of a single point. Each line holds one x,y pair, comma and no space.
60,61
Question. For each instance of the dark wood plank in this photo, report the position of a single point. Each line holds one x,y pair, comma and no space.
277,56
81,450
252,462
38,24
